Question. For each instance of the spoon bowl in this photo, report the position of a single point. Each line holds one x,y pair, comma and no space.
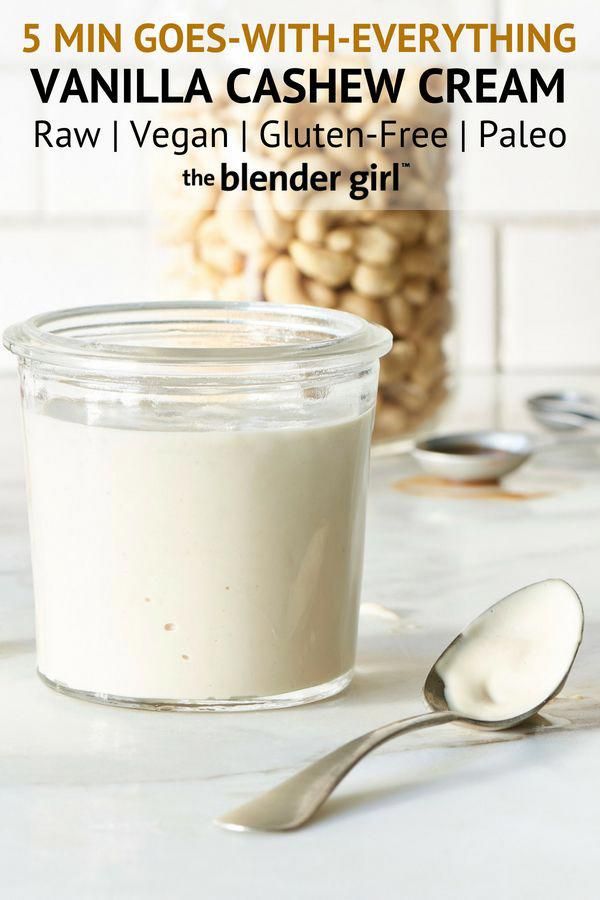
499,672
564,410
474,456
512,659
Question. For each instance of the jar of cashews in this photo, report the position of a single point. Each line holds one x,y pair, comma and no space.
376,245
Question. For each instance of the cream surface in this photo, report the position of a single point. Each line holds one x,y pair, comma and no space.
189,565
512,657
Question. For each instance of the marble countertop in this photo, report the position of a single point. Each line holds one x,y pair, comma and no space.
101,802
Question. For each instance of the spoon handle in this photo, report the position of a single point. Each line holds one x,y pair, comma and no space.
293,802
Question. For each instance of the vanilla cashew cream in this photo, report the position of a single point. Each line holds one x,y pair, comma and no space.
511,658
196,564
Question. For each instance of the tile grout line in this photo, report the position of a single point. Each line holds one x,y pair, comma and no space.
497,288
497,324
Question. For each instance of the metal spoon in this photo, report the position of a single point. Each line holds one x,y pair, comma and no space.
475,456
564,410
490,455
292,803
480,456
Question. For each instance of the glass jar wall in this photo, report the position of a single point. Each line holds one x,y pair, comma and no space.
197,480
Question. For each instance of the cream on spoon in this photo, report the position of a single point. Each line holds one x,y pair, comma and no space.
500,671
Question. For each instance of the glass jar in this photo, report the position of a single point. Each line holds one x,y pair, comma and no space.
196,477
385,257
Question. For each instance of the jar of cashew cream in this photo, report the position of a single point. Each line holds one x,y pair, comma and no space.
197,476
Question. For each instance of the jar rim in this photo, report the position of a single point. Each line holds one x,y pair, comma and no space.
161,337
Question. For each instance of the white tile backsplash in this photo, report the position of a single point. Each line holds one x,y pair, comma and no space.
503,181
550,297
19,165
475,276
92,180
526,273
52,265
